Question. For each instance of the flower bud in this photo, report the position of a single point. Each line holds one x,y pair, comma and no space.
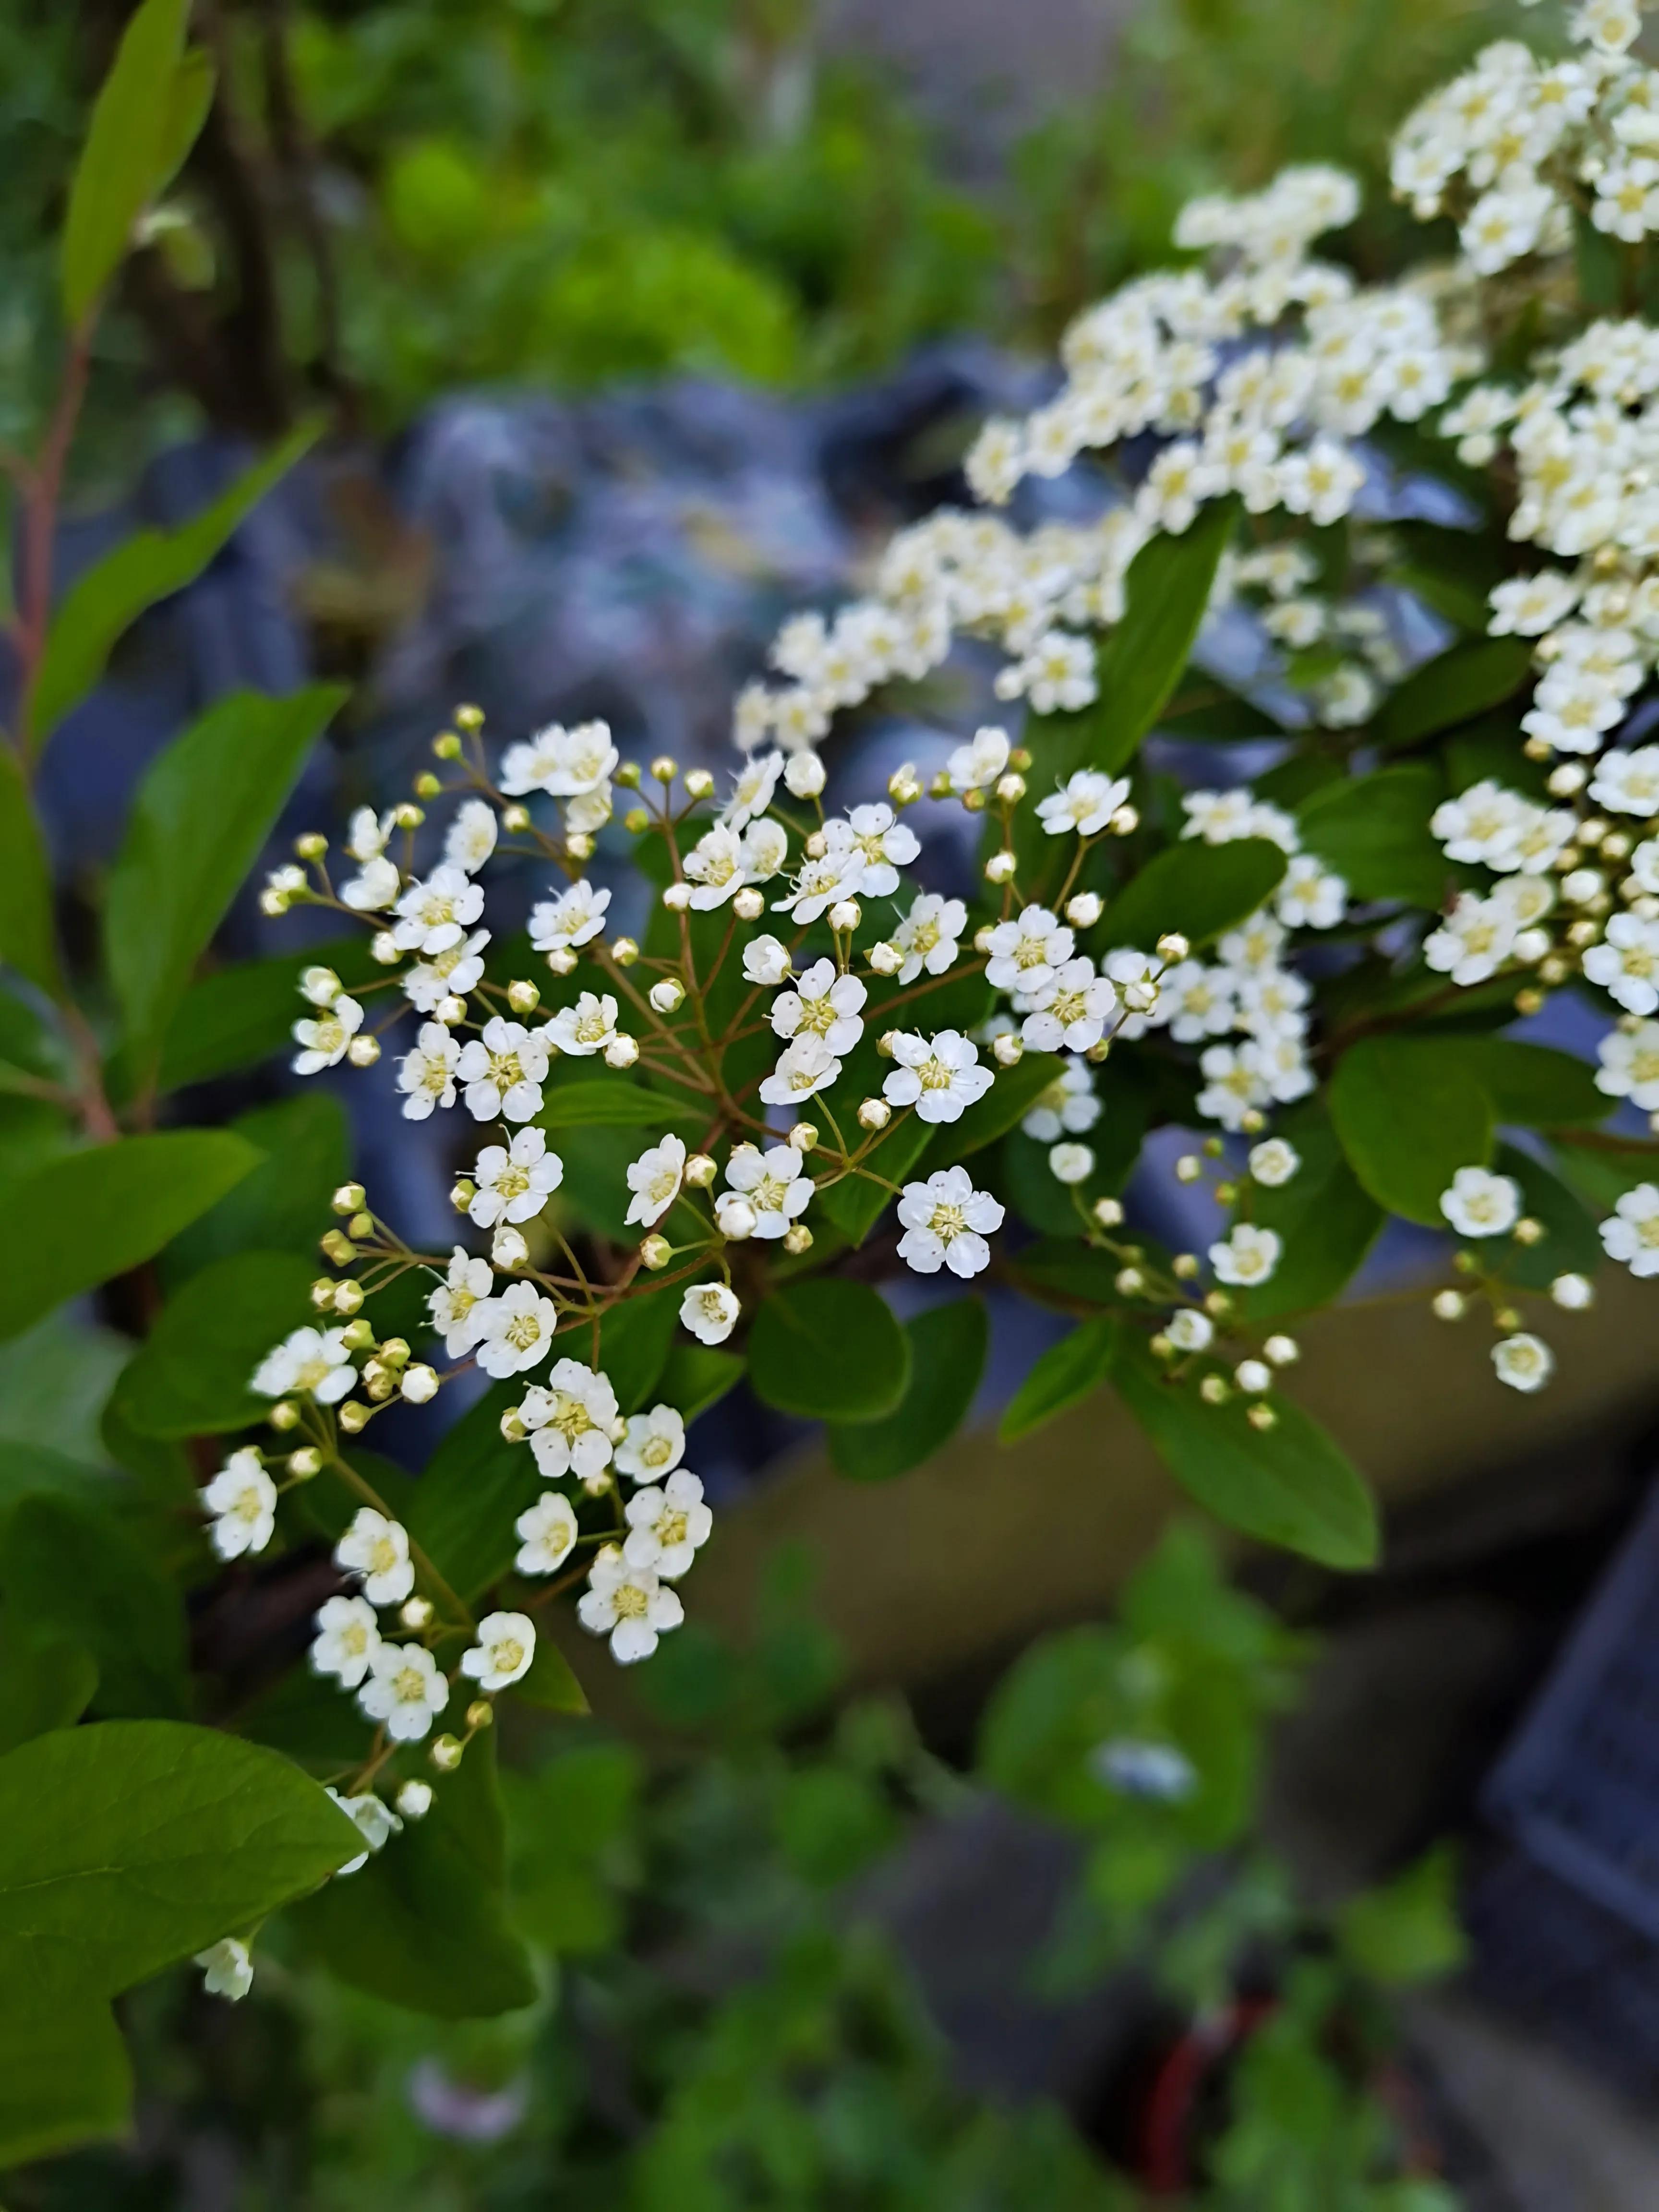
886,1042
904,786
973,800
1218,1305
274,902
734,1217
305,1462
797,1239
628,774
427,785
419,1384
446,1754
749,904
354,1417
360,1227
1129,1282
348,1297
446,745
668,996
507,1249
515,819
665,769
560,961
321,985
677,898
406,817
874,1114
1282,1351
1508,1317
417,1612
470,719
463,1194
1531,946
1213,1390
414,1800
1528,1231
1007,1050
636,821
1071,1163
621,1052
885,958
982,938
999,868
450,1011
1085,910
1188,1168
655,1251
1567,780
1573,1292
1447,1305
1125,821
804,1136
700,1170
699,784
845,916
1184,1265
348,1198
513,1431
1108,1212
803,773
1011,789
312,845
480,1714
284,1414
1253,1377
384,949
522,997
1173,946
579,845
1261,1416
363,1051
357,1335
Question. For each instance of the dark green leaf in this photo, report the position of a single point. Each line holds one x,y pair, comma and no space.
1166,593
92,1214
1010,1098
856,1203
829,1350
64,2080
1288,1484
1374,831
474,1487
1327,1221
947,1357
1454,688
569,1826
633,1340
36,1470
596,1104
1065,1375
1197,889
695,1377
239,1016
1063,1269
206,806
283,1204
68,1570
191,1376
46,1681
595,1186
1532,1085
27,939
1603,1172
1410,1112
1571,1244
130,142
551,1681
424,1924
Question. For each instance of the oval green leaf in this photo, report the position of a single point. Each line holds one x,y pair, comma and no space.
829,1351
947,1357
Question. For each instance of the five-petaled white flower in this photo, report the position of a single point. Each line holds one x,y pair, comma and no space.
1072,1009
404,1691
805,1066
654,1179
242,1499
572,1420
451,975
437,911
1273,1162
751,793
1523,1361
946,1222
471,837
1247,1257
427,1075
514,1181
503,1652
715,868
1630,1066
666,1525
348,1636
454,1305
773,1183
939,1077
974,766
1631,1232
564,763
875,845
710,1311
1068,1108
930,935
1626,964
627,1604
515,1330
822,1005
312,1360
377,1550
1024,953
573,918
1085,803
655,1444
547,1534
1481,1204
503,1071
586,1028
327,1037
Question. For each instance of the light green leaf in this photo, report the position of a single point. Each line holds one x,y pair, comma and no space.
205,807
1454,688
1410,1113
1328,1223
1166,593
27,939
947,1357
1288,1484
64,2079
1407,1931
283,1204
1374,831
188,102
1065,1375
424,1924
69,1570
695,1377
240,1015
132,137
1197,889
571,1826
91,1215
191,1376
828,1349
132,1843
551,1681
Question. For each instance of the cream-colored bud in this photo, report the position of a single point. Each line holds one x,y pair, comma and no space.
904,784
284,1414
462,1194
1261,1416
699,784
974,800
749,904
480,1714
1130,1281
1537,748
1188,1168
354,1417
1253,1377
515,819
446,745
408,816
668,996
363,1051
885,958
1218,1305
734,1217
419,1383
348,1198
1108,1212
579,845
414,1800
1508,1317
1161,1347
845,916
665,769
797,1239
305,1462
1007,1050
700,1170
677,898
628,774
1282,1351
1173,946
982,938
1252,1121
470,719
384,949
446,1754
508,1249
395,1351
347,1297
1583,932
655,1251
358,1335
1214,1390
804,1136
513,1431
1085,910
562,961
999,868
803,773
427,785
1184,1265
1567,780
1555,970
274,902
1528,1231
312,845
1125,821
885,1042
1449,1305
816,846
1011,789
1529,1001
450,1011
417,1612
636,821
360,1227
874,1114
622,1052
524,997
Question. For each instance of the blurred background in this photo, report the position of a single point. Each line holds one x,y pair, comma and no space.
633,325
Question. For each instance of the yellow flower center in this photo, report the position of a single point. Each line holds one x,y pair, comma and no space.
508,1657
671,1527
948,1222
628,1601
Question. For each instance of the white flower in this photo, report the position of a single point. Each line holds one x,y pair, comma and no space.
547,1532
472,839
875,844
976,766
514,1183
1190,1329
572,1420
1503,225
377,1550
1085,804
765,961
1253,946
242,1498
1573,1293
1247,1257
1473,941
1527,606
436,913
452,974
946,1222
823,1005
1072,1009
1237,1083
1630,1066
373,1819
1310,896
588,1027
1628,783
348,1636
503,1070
376,884
837,873
1071,1163
765,849
655,1444
1197,1001
1220,817
804,1067
1630,1233
1067,1108
1274,1162
773,1182
715,866
454,1305
1026,952
1524,1362
503,1652
404,1691
803,773
930,935
573,918
939,1077
1479,1204
427,1075
561,763
710,1311
313,1360
327,1037
751,793
667,1526
1626,964
515,1330
655,1179
226,1969
628,1604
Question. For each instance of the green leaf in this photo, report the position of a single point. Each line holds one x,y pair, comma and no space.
474,1487
64,2079
695,1377
132,1843
1603,1172
104,602
1453,688
551,1681
283,1204
1166,593
27,939
204,809
596,1104
828,1349
131,138
1410,1113
67,1570
1065,1375
91,1215
1197,889
1327,1221
856,1203
1009,1100
947,1357
188,103
570,1826
424,1924
1374,831
1532,1085
240,1015
1288,1485
633,1340
1407,1930
191,1375
1571,1244
46,1681
36,1470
